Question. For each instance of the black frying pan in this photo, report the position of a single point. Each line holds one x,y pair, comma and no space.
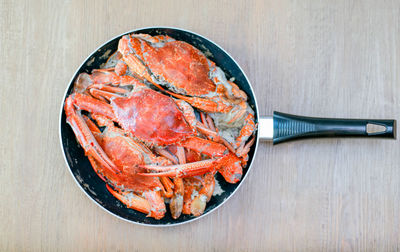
279,128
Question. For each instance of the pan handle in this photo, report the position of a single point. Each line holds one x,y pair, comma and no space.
288,127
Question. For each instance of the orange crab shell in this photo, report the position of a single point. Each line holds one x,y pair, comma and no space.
175,62
151,117
127,158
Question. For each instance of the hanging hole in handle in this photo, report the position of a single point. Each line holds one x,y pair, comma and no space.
373,129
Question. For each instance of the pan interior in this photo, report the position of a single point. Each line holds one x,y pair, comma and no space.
79,165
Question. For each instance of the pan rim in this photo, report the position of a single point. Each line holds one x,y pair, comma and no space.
62,109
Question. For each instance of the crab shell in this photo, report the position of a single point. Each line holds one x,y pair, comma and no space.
175,63
152,117
127,155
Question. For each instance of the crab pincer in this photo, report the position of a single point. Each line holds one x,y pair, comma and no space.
85,136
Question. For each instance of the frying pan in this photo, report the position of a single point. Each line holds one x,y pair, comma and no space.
279,127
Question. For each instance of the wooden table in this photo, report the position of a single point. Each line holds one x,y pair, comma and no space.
338,59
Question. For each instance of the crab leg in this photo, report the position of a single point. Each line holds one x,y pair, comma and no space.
203,120
168,185
176,203
207,127
198,191
231,168
237,92
152,203
210,123
205,146
181,171
104,92
100,94
214,136
91,125
192,156
180,153
131,200
198,204
166,154
242,152
228,165
240,110
95,130
187,197
187,111
206,105
85,102
108,88
85,136
96,167
105,76
247,130
157,210
208,185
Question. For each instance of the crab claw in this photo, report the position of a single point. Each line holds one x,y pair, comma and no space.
176,203
231,168
198,191
85,136
152,204
168,187
198,204
248,129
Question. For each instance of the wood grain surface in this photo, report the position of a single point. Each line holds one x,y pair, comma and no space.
320,58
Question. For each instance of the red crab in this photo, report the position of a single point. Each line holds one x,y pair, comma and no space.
135,191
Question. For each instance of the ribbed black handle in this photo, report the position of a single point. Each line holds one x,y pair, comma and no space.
289,127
